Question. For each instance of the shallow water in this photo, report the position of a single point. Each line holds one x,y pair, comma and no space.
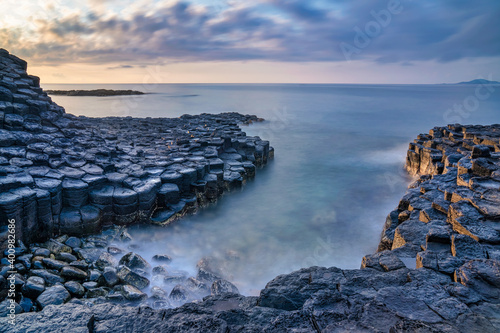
337,172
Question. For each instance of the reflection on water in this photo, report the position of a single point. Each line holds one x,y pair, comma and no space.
338,171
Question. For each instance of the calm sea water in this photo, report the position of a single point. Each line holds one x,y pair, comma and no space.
338,169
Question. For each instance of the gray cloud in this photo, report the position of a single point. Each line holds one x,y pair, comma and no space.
123,67
276,30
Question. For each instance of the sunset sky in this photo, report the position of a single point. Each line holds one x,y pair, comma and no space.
257,41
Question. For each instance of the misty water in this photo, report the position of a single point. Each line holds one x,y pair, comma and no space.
337,172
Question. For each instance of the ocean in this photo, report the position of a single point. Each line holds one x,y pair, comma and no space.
337,173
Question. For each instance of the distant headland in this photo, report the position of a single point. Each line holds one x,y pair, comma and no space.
95,92
479,81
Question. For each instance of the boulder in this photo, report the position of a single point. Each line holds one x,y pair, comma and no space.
110,276
75,288
222,286
66,257
54,264
178,294
90,255
162,258
127,276
73,273
134,261
131,293
57,247
53,296
48,277
105,260
33,287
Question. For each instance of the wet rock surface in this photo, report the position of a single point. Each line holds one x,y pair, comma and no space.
437,268
61,174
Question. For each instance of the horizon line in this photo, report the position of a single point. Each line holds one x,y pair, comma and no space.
253,83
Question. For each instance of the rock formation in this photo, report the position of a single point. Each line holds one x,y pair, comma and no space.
61,174
437,268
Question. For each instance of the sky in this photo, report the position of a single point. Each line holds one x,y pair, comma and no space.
254,41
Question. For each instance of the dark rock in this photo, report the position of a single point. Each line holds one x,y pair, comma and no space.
482,276
5,94
13,121
54,264
480,151
114,250
95,92
90,285
47,276
80,264
41,252
178,294
124,196
102,196
53,296
33,287
126,275
65,256
106,259
131,293
95,276
160,270
75,192
406,306
158,293
222,287
57,247
91,219
26,304
110,276
90,255
134,261
410,232
168,194
75,288
7,307
290,292
463,246
73,273
71,221
96,292
175,277
162,258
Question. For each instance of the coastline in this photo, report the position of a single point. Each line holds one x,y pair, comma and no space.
94,92
455,287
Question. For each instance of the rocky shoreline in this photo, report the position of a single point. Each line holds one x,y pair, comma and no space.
95,92
437,268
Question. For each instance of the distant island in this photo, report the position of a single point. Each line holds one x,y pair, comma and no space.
479,81
95,92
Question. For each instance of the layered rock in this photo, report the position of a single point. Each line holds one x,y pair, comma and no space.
452,212
429,276
62,174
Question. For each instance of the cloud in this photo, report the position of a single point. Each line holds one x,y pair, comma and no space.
123,67
274,30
